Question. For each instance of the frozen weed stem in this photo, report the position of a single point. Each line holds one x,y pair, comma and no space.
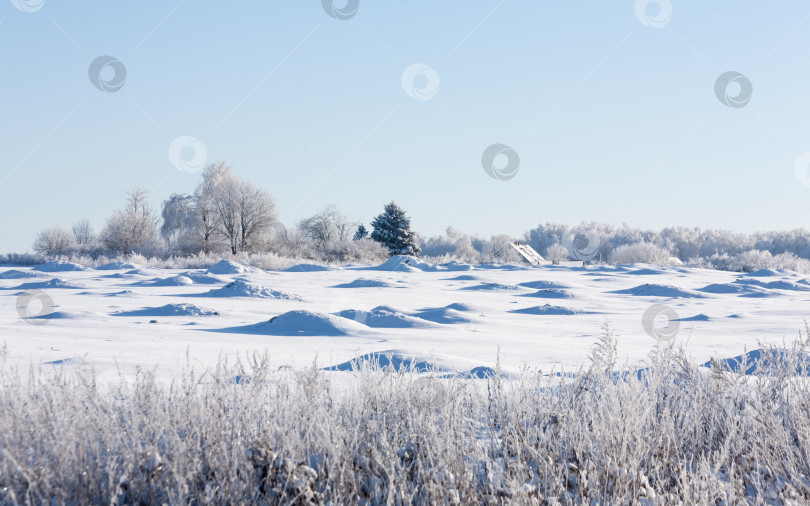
245,433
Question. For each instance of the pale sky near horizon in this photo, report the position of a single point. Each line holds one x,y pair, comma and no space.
611,107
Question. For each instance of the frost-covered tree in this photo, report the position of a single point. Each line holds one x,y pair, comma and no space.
54,241
556,253
257,214
83,233
231,212
205,204
326,227
133,228
392,228
181,224
360,233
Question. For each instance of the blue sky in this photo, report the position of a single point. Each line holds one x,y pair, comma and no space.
613,120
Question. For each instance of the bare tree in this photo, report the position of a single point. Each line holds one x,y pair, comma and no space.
83,233
181,224
227,203
326,227
54,241
132,228
257,213
205,198
556,253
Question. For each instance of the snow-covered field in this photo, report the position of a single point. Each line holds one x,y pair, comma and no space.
454,316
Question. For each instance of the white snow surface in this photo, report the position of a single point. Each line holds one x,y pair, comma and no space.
300,317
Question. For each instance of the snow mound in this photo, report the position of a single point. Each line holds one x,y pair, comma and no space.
549,293
365,283
385,317
117,275
644,272
228,267
17,274
170,310
240,288
724,288
70,315
762,273
774,285
404,263
203,278
122,293
449,314
652,290
491,286
178,280
141,272
763,362
457,266
548,309
393,360
697,318
303,323
51,283
542,284
465,277
62,361
59,267
116,266
308,268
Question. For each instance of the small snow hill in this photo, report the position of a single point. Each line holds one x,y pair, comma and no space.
170,310
116,266
652,290
302,323
365,283
308,268
228,267
52,283
404,263
385,317
547,310
240,288
59,267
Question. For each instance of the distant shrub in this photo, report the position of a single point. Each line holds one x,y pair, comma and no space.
640,253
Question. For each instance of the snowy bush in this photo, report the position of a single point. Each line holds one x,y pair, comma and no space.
54,241
640,253
246,433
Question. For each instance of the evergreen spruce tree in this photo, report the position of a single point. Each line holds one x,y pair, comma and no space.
393,229
360,233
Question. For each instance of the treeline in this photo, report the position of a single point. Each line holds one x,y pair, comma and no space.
229,215
602,243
